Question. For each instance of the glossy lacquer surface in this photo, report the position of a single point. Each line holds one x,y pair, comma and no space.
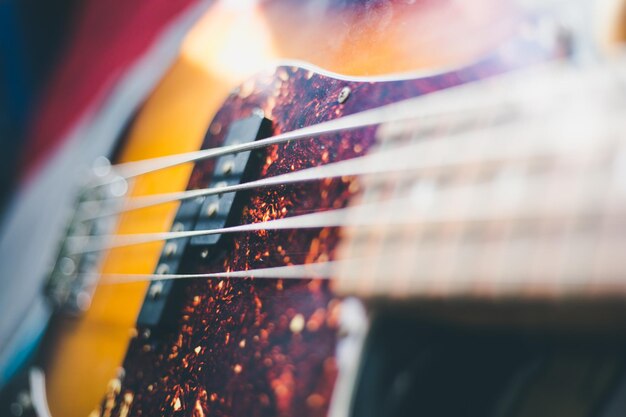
229,44
266,347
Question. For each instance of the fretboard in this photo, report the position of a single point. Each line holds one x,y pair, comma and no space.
524,200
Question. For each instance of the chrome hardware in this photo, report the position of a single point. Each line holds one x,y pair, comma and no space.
343,95
74,276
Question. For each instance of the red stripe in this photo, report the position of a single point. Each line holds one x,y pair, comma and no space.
108,38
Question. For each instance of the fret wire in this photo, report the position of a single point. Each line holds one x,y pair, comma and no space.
373,245
556,249
570,255
443,130
525,282
383,272
507,236
549,268
407,240
436,287
474,175
434,153
380,272
514,186
518,278
614,168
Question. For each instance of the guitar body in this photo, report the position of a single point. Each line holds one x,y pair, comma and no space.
250,347
257,348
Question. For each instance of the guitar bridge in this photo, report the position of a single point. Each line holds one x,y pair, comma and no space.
75,274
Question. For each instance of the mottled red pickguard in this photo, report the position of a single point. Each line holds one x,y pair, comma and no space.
266,347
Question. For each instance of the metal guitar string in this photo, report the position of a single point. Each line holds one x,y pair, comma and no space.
320,219
394,159
437,104
320,270
486,149
397,211
397,158
330,218
90,210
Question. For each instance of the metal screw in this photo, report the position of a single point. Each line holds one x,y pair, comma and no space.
343,95
178,227
204,253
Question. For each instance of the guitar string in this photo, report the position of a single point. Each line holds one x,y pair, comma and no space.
379,162
396,158
406,210
455,100
330,218
488,150
319,270
133,169
342,168
609,281
374,117
608,249
288,271
327,270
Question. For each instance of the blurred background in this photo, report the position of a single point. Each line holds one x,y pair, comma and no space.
33,37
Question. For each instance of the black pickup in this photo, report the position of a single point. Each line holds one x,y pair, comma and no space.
203,213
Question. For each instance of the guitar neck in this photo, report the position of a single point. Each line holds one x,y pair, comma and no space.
527,203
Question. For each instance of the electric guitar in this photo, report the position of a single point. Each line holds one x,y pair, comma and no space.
205,270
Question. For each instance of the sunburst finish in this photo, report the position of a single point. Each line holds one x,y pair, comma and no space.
227,46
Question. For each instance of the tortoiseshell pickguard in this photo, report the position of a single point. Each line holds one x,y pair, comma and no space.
266,347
